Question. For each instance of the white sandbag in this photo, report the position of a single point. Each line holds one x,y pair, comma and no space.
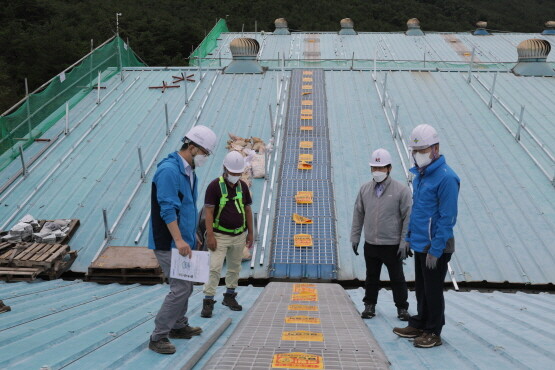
258,166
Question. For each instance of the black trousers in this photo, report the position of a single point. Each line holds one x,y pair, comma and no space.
429,293
376,256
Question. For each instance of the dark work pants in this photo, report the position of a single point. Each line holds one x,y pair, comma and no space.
376,256
429,293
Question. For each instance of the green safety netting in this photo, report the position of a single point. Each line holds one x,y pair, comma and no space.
209,43
41,110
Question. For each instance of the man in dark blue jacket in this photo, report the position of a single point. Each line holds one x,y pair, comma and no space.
430,235
173,224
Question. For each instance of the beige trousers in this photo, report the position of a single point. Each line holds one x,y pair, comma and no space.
229,248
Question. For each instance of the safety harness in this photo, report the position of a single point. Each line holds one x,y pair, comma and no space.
238,200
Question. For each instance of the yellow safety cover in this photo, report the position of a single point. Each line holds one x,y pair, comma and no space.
303,240
306,116
306,157
304,197
308,73
306,111
306,102
304,297
307,79
306,144
307,128
302,307
302,335
301,219
301,319
307,87
297,360
304,166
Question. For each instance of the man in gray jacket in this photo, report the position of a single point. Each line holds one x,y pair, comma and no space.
383,207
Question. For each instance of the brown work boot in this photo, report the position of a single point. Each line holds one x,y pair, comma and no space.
186,332
231,302
408,332
428,340
163,346
4,308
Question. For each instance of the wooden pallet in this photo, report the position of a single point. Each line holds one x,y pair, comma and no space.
51,259
10,274
126,265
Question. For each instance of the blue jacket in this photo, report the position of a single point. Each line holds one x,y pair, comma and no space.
434,208
172,199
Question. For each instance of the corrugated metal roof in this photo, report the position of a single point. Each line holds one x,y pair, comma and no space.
506,221
72,324
482,331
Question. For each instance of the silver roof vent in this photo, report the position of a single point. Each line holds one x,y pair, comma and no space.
481,30
413,28
281,27
244,51
532,56
550,28
347,27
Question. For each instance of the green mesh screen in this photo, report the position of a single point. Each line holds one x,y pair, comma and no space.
209,43
43,109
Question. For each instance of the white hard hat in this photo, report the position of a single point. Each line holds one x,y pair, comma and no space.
203,137
423,136
380,158
234,162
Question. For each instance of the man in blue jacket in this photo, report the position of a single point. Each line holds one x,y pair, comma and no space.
430,235
173,224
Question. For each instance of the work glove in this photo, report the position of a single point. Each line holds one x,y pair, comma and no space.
431,261
355,248
404,250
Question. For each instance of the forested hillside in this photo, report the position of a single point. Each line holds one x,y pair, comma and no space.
40,38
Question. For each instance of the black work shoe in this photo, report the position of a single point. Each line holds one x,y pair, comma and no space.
231,302
403,314
369,311
163,346
428,340
408,332
207,307
186,332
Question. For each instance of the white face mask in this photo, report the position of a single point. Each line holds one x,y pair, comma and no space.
200,159
379,176
422,159
232,179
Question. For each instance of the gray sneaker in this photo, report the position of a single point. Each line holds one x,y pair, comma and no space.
428,340
163,346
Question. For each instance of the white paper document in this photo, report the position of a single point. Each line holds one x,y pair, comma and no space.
195,268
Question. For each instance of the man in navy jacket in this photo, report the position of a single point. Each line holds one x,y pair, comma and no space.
173,224
430,235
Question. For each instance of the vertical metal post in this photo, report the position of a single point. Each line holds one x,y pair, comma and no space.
424,59
167,119
91,65
255,26
141,164
375,56
383,90
23,166
186,93
517,136
266,164
492,90
219,59
353,61
107,234
396,121
98,89
199,69
28,108
282,65
242,29
66,131
277,91
271,119
470,66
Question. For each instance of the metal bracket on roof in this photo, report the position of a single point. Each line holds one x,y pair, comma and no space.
182,77
164,86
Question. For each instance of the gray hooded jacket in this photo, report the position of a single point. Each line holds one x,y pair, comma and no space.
385,219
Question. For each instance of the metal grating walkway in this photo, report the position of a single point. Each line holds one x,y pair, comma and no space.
306,122
338,337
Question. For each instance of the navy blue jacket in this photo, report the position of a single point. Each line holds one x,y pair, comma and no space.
172,199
